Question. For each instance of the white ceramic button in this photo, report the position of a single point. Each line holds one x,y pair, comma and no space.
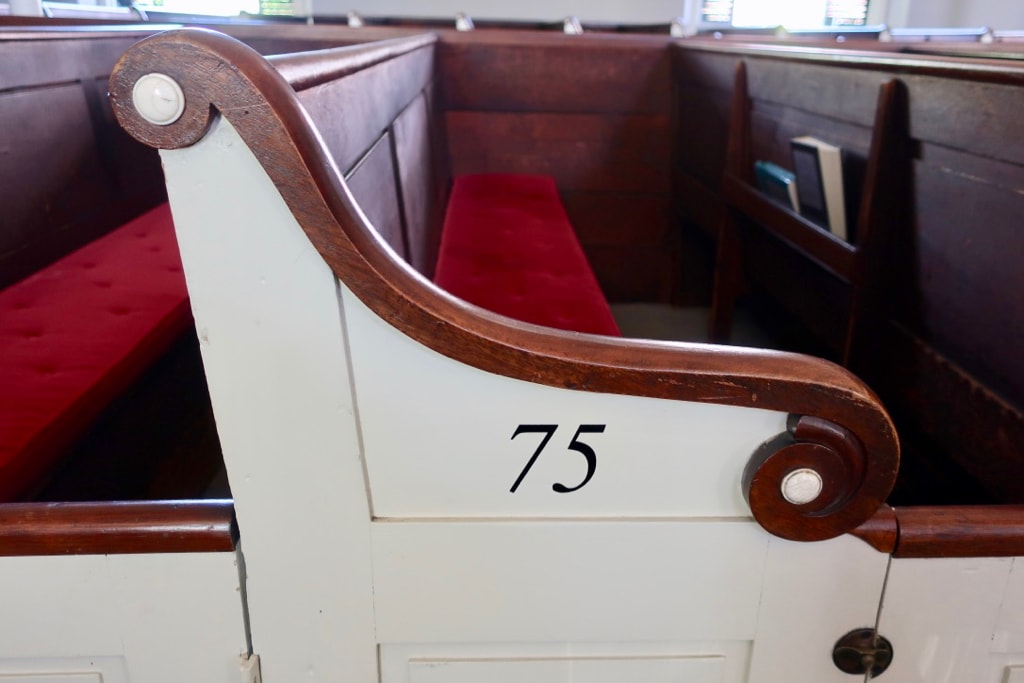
158,99
800,487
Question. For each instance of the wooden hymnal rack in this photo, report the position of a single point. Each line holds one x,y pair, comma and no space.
859,265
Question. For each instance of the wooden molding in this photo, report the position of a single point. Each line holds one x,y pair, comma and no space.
823,450
960,531
308,69
117,528
948,531
219,74
881,531
981,70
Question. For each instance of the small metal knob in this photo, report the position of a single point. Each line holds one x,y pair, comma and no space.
862,651
158,98
801,486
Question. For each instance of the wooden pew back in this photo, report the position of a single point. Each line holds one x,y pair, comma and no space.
595,112
380,118
70,173
948,267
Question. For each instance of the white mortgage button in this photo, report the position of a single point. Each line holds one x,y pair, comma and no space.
800,487
158,99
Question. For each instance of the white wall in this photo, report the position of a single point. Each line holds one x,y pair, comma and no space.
638,11
996,14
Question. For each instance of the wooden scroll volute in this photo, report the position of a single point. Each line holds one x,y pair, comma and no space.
810,483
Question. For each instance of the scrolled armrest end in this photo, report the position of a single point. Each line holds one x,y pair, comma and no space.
814,481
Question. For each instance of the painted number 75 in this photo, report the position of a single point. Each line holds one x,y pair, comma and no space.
575,445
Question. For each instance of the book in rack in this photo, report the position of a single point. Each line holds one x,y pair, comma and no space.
819,179
778,183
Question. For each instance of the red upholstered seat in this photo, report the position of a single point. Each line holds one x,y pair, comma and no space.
508,246
76,334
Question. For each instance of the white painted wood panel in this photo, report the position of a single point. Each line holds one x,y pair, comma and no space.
567,581
438,440
1009,630
569,670
940,615
728,660
52,678
814,593
272,338
138,618
1013,674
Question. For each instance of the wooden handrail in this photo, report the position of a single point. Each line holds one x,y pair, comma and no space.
219,74
308,69
946,531
117,528
960,531
982,70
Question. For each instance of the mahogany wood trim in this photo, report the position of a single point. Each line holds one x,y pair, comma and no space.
823,247
728,273
881,215
1005,72
963,531
926,383
117,528
881,531
738,157
948,531
308,69
542,38
811,444
697,202
219,74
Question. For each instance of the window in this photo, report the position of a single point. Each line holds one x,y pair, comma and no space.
790,13
224,8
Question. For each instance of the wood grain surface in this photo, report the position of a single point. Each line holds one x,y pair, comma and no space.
117,528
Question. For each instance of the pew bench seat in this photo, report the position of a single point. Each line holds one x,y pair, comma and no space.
507,246
77,334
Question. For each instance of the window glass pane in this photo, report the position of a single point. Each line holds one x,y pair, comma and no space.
846,13
717,11
277,7
793,14
214,7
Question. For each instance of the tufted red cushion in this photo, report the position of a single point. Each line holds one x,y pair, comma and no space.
77,333
508,246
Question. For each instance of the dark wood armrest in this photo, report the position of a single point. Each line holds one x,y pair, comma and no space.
190,526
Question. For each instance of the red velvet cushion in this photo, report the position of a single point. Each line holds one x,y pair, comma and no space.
77,333
508,246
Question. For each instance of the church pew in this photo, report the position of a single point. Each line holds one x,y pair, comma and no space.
352,392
